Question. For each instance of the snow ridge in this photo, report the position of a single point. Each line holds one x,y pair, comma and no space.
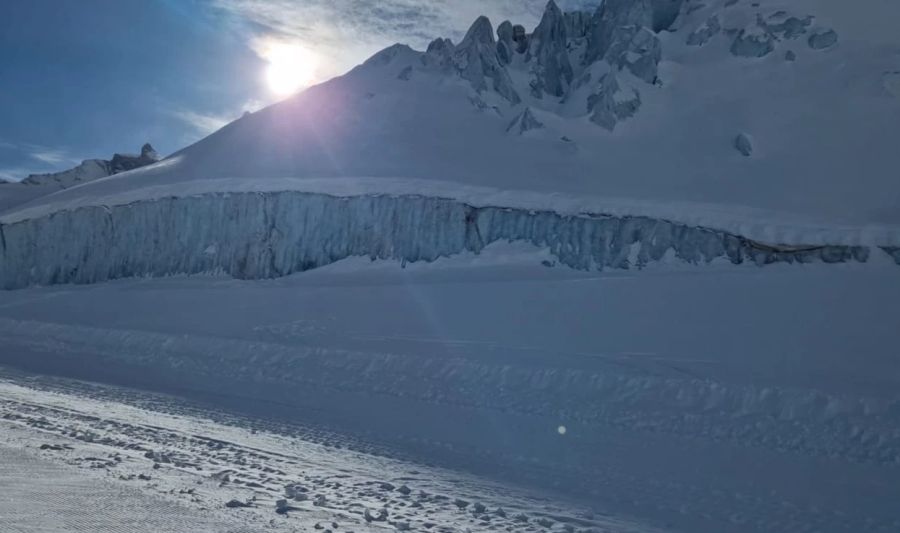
268,235
92,169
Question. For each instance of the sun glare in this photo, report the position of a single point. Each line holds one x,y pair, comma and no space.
291,67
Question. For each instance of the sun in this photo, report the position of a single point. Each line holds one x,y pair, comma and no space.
291,67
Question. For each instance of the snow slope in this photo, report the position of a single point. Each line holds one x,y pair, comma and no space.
34,186
81,457
697,399
708,123
418,115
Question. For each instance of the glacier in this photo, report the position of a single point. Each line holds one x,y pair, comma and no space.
258,235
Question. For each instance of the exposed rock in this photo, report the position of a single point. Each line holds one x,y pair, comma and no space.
505,31
477,61
610,104
283,507
785,26
526,121
125,162
92,169
892,251
743,144
237,504
577,23
547,49
609,17
753,41
664,13
704,33
439,54
758,39
620,33
406,73
505,45
790,56
823,39
637,49
520,38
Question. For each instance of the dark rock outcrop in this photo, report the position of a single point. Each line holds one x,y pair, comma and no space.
610,104
126,162
506,47
704,33
92,169
610,17
526,121
823,39
547,50
743,144
477,61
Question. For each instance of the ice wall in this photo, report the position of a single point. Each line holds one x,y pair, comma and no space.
267,235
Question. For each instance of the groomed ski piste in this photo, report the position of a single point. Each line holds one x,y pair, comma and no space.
664,300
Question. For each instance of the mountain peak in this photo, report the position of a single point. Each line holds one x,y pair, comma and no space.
478,61
481,32
148,152
548,47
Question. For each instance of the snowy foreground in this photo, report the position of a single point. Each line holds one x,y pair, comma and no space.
79,457
684,406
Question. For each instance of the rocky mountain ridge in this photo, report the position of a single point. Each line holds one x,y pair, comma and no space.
595,63
92,169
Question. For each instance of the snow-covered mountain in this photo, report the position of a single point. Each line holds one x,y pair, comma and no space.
92,169
730,115
36,185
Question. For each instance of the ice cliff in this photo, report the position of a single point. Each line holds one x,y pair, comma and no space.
266,235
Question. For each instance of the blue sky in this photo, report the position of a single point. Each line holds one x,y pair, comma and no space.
85,78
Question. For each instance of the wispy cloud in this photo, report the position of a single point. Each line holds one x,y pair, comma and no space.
202,123
345,32
205,123
48,158
13,174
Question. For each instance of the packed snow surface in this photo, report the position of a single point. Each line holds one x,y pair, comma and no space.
697,399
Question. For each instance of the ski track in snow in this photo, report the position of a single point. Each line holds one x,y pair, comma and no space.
196,465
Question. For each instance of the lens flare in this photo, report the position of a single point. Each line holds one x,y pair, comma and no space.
291,67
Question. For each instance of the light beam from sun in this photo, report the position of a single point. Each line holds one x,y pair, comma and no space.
290,68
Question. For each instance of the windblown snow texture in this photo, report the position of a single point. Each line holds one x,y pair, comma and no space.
266,235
